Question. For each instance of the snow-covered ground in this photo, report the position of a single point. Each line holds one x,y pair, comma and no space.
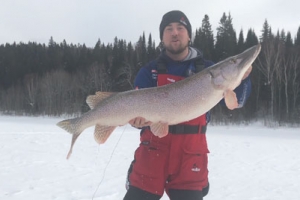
246,162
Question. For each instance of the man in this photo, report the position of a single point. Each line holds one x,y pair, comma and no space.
176,163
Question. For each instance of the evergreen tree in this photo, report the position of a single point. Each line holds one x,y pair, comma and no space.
84,58
118,55
54,55
251,39
51,42
97,52
297,39
130,54
289,41
266,32
68,57
278,38
197,39
241,42
226,43
150,49
141,50
204,39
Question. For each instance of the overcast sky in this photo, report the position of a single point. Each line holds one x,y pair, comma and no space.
86,21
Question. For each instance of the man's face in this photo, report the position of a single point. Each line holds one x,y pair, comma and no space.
175,38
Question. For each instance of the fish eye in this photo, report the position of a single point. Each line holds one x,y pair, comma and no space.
232,61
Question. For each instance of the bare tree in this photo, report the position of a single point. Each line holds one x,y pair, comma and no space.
56,92
294,64
269,64
12,100
31,90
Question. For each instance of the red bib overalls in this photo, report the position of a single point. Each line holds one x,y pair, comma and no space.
176,161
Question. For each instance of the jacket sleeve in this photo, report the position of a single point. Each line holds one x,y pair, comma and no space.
144,78
243,91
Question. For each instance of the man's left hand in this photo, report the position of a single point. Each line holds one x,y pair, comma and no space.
231,100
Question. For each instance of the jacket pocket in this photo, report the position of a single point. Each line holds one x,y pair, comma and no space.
193,168
150,160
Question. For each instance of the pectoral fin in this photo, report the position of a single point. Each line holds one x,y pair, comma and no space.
102,133
160,129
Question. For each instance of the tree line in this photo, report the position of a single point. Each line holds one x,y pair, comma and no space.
55,78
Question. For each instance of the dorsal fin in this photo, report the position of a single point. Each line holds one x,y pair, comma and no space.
94,100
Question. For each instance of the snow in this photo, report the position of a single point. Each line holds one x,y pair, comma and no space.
246,162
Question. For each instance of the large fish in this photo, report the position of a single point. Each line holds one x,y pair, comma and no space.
165,105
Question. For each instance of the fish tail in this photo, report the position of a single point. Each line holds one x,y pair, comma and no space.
74,138
69,126
72,127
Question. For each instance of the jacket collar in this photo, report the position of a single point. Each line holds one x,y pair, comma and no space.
192,55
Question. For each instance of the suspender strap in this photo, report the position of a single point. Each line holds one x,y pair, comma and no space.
161,66
183,128
199,65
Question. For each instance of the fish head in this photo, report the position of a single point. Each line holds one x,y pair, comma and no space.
228,73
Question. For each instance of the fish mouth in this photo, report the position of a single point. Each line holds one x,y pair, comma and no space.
257,49
239,63
249,55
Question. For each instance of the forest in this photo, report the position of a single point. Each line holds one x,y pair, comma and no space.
54,79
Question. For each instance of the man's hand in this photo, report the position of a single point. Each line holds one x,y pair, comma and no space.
231,100
139,122
230,96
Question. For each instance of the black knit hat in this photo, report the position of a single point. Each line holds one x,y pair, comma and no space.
175,16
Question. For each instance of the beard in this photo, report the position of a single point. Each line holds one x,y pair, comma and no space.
175,50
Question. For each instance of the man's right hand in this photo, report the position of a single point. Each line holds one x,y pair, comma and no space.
139,122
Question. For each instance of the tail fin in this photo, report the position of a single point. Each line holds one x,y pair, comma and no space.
71,128
74,138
